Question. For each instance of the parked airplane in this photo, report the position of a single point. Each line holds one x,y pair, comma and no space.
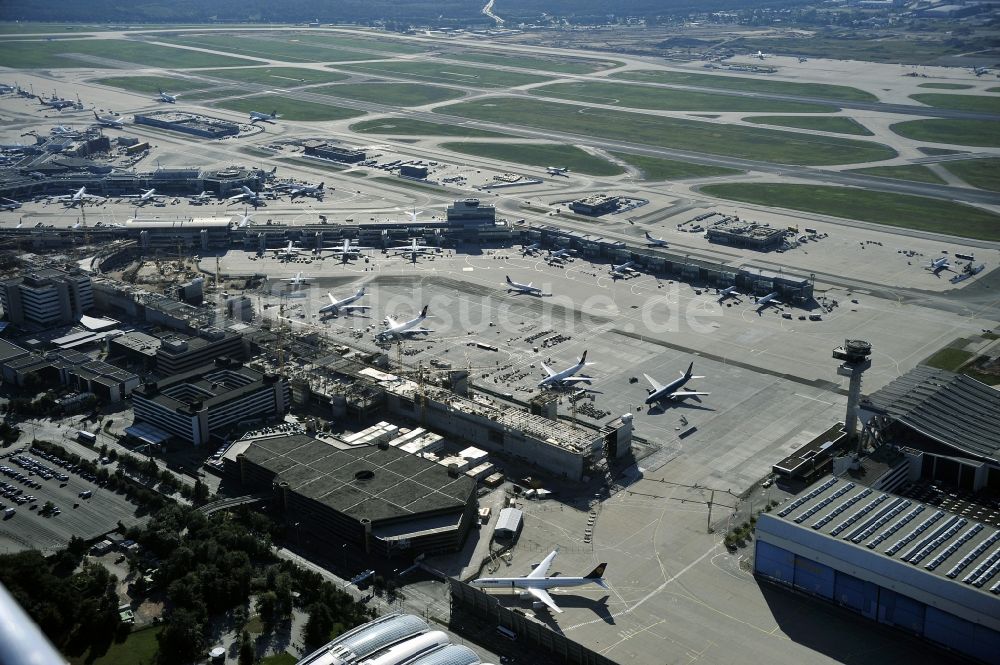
9,204
760,55
244,221
109,121
202,198
537,581
257,116
655,242
561,254
248,195
558,170
728,292
767,301
337,306
145,197
623,268
672,390
65,131
346,251
56,103
979,71
289,252
937,265
169,99
396,329
414,250
297,280
567,376
523,288
78,198
316,191
530,249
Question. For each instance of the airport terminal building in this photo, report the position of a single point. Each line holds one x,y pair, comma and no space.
916,567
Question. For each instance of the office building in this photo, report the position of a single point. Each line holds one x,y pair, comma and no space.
181,353
207,401
47,297
471,212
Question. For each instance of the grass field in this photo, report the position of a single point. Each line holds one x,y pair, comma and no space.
533,154
914,172
385,45
36,55
945,86
289,109
751,84
953,359
976,103
152,84
981,173
992,89
656,168
440,72
560,65
837,124
927,150
860,46
279,77
667,99
408,127
138,649
11,28
279,659
983,133
900,210
394,94
279,47
712,138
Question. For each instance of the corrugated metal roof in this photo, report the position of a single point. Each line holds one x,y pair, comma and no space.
950,408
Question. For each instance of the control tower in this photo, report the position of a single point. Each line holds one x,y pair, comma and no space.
855,356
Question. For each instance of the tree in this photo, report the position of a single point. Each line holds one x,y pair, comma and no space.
181,640
200,492
318,626
267,607
247,652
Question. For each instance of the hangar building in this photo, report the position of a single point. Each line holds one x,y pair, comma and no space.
895,560
951,419
380,498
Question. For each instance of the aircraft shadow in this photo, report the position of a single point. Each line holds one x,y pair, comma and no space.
599,607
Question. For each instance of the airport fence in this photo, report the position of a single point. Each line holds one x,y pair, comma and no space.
524,629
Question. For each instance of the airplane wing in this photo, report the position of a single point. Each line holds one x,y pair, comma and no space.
548,370
420,330
351,308
577,379
687,393
542,569
653,382
543,595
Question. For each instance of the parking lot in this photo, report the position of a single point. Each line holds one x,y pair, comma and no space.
46,501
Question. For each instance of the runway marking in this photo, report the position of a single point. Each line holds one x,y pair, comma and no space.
649,595
815,399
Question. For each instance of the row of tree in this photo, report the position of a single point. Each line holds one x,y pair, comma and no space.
211,566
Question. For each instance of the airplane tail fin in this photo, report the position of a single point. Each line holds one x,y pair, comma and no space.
423,312
690,370
583,358
508,279
360,292
596,573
